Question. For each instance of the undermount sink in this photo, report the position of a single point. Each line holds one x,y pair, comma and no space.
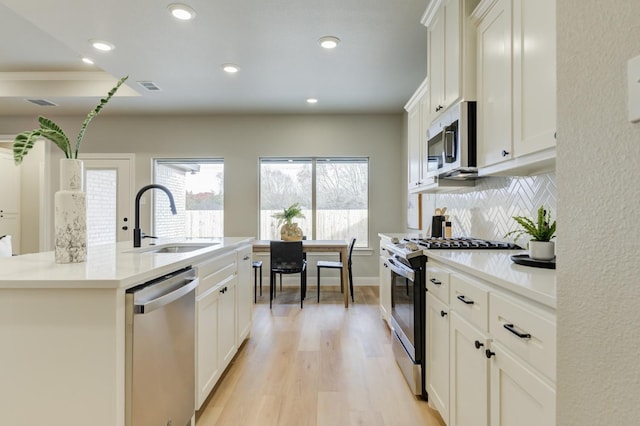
179,249
176,247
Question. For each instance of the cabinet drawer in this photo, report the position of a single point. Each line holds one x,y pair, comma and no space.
524,330
214,271
438,282
470,299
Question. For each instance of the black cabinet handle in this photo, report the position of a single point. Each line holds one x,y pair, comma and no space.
478,345
488,353
512,329
245,258
464,300
436,282
443,314
124,228
505,153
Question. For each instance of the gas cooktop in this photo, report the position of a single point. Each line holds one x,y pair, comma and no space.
461,243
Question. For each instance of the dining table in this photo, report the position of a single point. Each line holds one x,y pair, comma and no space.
318,246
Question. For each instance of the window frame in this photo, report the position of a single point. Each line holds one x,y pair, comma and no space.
313,160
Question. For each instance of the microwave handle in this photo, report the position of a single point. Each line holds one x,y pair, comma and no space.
449,145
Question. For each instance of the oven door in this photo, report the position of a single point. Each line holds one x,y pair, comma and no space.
407,309
403,305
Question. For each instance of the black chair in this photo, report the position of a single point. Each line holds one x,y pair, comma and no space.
338,265
287,257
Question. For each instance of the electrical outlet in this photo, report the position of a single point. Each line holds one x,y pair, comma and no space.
633,78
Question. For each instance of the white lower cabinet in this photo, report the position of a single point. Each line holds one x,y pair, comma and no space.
490,355
223,315
244,293
437,342
227,346
519,395
207,365
469,374
385,290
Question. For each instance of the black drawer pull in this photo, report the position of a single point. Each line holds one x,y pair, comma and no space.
478,344
443,314
488,353
436,282
465,300
512,329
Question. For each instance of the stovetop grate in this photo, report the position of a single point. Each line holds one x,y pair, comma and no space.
462,243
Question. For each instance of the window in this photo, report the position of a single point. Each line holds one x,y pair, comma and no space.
197,186
332,191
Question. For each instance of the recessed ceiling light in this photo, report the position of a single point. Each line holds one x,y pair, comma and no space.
329,42
230,68
88,61
102,45
181,11
312,101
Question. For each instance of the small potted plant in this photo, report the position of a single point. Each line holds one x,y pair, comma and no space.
540,246
290,230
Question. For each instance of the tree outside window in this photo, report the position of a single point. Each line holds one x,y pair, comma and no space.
336,207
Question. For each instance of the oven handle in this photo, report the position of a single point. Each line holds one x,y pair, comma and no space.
400,269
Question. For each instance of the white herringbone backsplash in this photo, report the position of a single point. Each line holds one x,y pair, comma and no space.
486,210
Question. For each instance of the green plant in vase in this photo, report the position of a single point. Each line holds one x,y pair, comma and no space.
290,230
542,231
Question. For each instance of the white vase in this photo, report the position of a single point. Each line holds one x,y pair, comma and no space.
541,250
70,221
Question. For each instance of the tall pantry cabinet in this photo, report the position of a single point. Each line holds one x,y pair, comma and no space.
10,199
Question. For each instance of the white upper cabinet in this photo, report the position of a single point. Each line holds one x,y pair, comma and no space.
534,78
516,86
494,125
450,53
417,110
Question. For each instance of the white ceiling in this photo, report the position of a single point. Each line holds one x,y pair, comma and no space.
377,66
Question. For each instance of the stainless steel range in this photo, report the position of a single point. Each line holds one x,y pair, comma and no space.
407,262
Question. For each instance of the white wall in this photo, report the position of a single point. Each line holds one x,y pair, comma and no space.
241,140
598,208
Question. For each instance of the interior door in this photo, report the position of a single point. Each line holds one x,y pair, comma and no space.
108,183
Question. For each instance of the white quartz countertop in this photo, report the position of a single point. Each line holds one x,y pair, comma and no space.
109,266
496,267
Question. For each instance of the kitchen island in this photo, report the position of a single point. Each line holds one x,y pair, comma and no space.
62,328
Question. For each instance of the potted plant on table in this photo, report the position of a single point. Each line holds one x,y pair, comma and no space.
290,230
542,231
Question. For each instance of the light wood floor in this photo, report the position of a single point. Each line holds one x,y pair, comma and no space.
322,365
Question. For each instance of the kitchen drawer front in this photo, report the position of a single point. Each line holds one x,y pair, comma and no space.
470,300
438,282
525,331
214,271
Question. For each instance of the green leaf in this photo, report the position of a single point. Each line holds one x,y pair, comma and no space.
60,139
95,112
22,144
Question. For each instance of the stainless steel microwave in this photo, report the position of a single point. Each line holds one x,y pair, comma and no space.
451,143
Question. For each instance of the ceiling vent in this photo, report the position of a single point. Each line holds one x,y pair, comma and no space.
41,102
149,85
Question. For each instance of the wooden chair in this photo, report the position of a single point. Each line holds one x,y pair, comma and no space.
338,265
287,257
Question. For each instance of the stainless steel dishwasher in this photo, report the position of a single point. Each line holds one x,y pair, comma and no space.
159,348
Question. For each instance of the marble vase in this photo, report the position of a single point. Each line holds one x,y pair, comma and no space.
70,221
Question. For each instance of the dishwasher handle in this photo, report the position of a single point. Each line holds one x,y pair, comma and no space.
165,299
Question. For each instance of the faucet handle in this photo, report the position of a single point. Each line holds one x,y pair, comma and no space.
147,236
